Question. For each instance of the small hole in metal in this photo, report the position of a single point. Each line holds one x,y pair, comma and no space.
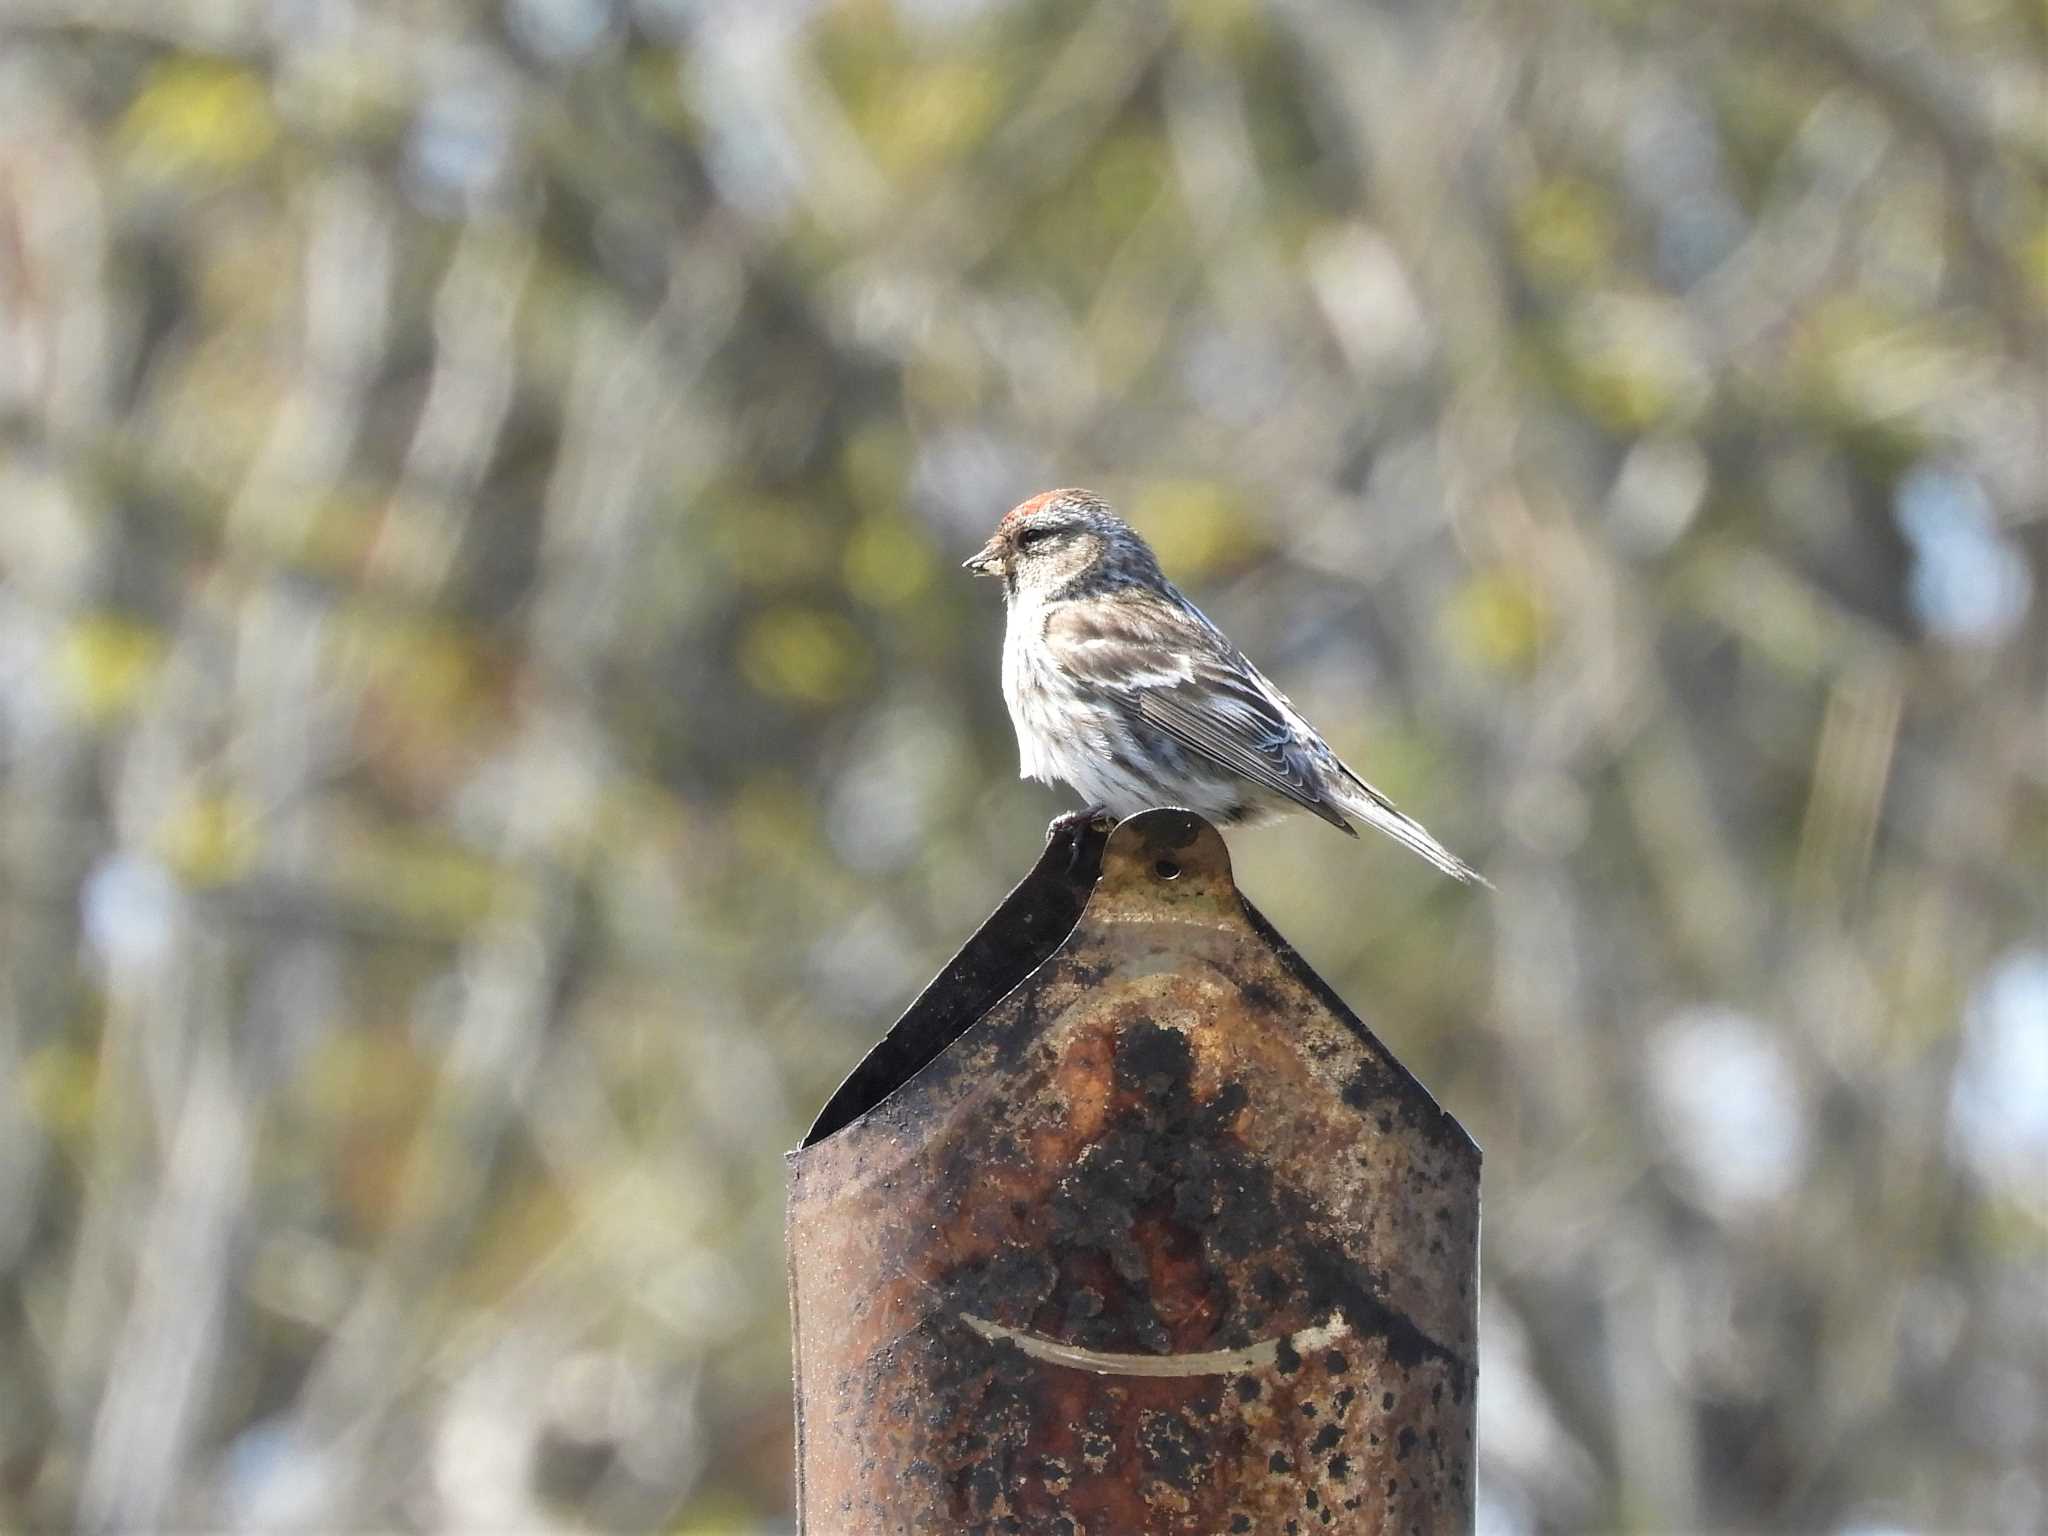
1166,869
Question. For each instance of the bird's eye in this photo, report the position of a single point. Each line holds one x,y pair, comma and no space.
1032,536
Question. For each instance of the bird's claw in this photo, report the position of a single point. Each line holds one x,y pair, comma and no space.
1076,825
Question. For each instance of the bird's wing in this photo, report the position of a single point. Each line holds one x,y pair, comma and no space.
1175,670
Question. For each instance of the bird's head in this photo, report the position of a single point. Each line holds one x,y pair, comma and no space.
1059,537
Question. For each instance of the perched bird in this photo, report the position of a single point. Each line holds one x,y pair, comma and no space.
1120,686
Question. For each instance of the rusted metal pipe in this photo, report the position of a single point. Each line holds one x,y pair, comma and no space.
1131,1227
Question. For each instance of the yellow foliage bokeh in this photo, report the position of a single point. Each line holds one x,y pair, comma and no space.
199,115
105,662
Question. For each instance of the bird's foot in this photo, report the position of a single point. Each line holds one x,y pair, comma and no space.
1073,823
1075,826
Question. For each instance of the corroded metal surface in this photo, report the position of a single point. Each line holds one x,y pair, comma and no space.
1164,1241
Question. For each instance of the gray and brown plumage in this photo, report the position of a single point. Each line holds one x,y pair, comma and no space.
1121,687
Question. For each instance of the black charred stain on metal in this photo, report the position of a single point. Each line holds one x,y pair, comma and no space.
1171,1447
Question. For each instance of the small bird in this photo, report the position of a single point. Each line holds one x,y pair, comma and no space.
1120,686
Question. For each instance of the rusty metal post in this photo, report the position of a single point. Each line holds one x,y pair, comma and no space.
1130,1227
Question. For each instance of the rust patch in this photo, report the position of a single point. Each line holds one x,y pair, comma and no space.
1164,1240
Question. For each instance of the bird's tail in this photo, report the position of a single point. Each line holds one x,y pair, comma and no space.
1360,799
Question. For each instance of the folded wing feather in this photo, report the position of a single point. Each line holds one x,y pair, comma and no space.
1179,674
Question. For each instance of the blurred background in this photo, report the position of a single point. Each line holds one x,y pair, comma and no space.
491,727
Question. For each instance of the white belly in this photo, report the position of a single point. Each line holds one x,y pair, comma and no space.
1034,696
1063,737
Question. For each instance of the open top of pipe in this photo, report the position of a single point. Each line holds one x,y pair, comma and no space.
1036,918
1029,925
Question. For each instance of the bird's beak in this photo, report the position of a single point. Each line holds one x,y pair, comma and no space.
986,561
